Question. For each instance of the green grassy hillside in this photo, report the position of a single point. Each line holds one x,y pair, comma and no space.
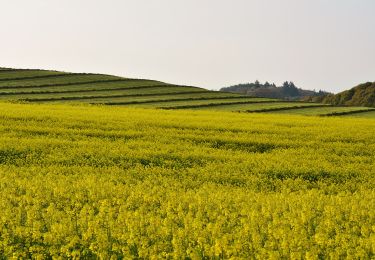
361,95
100,182
41,86
57,87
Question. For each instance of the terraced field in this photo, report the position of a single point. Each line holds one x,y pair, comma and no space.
60,87
52,86
205,102
327,110
262,106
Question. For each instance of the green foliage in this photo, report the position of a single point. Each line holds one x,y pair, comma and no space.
361,95
287,91
110,182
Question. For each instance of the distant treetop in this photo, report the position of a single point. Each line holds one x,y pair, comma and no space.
287,91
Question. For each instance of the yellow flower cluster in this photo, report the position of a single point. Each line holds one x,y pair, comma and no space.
107,182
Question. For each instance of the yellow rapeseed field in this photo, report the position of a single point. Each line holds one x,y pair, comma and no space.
112,183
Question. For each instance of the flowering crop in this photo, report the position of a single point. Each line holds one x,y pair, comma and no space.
111,182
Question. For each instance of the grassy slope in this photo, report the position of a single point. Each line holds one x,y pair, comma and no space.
61,87
51,86
361,95
89,181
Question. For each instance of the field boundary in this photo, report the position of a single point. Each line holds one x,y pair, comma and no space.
87,90
220,104
113,96
234,103
347,112
49,76
70,83
282,108
170,100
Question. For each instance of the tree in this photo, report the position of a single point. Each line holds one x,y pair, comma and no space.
257,84
290,89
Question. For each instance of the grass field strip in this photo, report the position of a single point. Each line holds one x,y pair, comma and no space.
103,89
177,99
322,111
223,104
282,108
220,105
88,82
110,96
58,80
28,74
48,76
348,112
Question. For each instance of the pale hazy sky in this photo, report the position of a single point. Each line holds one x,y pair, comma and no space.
318,44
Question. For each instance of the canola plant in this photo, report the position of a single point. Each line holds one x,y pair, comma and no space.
120,183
